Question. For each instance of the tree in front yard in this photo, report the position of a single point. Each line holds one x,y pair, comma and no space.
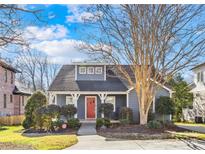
106,109
164,106
182,97
37,100
154,41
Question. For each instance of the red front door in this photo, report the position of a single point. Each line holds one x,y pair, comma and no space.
90,107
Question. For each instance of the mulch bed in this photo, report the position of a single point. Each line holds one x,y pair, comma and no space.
139,132
36,133
11,146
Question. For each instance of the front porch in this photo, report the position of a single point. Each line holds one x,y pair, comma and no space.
94,121
88,103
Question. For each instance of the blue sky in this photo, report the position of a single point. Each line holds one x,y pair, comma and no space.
61,33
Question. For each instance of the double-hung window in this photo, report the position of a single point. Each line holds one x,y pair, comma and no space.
98,70
200,77
69,100
111,100
90,70
82,70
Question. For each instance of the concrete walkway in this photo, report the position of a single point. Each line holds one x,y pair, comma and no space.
87,129
199,129
96,142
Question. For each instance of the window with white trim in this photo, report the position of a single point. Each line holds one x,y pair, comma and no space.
200,77
90,70
69,100
82,70
98,70
111,100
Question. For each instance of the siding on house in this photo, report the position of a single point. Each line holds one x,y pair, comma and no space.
6,88
90,76
120,101
161,92
134,105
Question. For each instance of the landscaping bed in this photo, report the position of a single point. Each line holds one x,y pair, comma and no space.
33,133
140,132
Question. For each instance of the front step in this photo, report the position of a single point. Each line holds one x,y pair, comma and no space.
87,129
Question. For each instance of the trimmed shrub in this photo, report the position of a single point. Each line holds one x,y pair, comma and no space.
106,109
27,123
154,124
107,122
99,122
57,124
44,117
126,114
124,121
74,123
68,111
103,121
37,100
54,110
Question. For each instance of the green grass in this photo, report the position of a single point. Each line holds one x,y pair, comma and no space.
190,135
12,134
189,124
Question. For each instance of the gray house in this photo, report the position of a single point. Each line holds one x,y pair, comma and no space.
87,85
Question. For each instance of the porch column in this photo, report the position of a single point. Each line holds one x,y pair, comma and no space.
75,97
153,105
127,99
102,96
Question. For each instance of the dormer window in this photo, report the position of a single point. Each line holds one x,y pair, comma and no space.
82,70
90,70
98,70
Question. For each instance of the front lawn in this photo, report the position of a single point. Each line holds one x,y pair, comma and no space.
12,134
195,135
188,124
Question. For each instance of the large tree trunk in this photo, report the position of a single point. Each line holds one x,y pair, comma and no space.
143,118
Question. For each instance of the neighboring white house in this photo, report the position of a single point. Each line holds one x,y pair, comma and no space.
198,90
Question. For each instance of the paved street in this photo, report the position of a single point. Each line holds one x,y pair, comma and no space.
96,142
199,129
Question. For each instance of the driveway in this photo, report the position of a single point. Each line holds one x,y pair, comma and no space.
96,142
199,129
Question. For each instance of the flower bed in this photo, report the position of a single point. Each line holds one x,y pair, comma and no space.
139,132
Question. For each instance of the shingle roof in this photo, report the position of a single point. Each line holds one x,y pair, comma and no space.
9,67
202,64
65,81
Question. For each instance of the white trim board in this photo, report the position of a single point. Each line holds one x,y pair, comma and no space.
88,92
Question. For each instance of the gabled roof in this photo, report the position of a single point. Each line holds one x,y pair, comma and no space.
9,67
21,89
65,81
202,64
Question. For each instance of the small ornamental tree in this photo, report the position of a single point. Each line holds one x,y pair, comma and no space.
182,97
44,116
164,105
106,109
37,100
68,111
